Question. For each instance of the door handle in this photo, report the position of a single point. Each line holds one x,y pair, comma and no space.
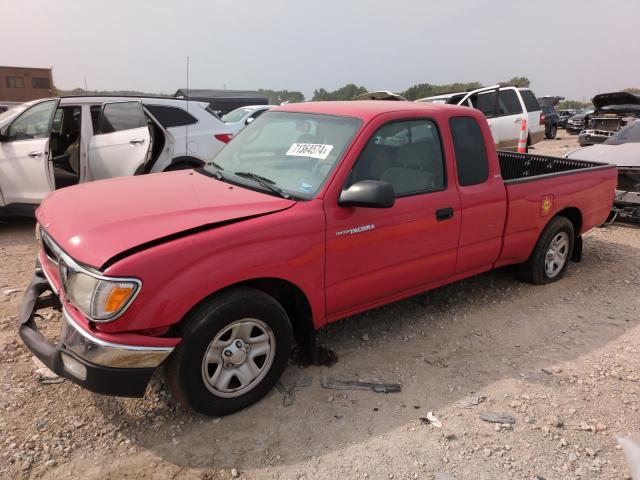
35,154
136,141
444,214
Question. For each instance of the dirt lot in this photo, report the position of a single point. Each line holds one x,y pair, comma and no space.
562,360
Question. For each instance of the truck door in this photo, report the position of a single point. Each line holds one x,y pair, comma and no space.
377,254
24,155
483,197
121,140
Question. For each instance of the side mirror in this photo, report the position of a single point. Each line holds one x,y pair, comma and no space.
249,120
368,194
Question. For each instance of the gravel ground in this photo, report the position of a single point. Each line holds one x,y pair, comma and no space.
560,360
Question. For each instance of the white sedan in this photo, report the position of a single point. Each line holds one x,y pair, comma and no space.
239,118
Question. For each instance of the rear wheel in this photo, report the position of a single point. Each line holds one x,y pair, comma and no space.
550,257
234,348
553,131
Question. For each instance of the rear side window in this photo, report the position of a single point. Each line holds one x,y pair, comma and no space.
121,116
471,155
509,102
485,102
171,116
530,102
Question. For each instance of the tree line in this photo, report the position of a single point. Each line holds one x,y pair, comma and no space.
351,90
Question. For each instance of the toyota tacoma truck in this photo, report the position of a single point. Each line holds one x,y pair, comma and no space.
313,213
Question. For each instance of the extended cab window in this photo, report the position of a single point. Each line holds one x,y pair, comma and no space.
121,116
171,116
471,155
407,154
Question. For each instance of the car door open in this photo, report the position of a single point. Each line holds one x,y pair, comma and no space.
24,152
120,145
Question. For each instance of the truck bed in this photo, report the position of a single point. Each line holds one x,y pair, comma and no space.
578,187
519,167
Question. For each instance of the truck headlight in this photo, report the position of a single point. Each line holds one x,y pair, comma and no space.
97,297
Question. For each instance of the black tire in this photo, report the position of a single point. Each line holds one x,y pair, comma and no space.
553,131
533,270
183,370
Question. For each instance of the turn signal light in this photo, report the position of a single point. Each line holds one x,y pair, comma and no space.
117,298
224,137
542,118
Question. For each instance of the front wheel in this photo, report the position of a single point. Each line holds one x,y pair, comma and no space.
550,258
234,348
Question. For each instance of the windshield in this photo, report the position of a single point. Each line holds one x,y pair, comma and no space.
628,134
236,115
12,112
293,152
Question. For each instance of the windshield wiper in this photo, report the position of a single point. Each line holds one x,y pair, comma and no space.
265,182
218,170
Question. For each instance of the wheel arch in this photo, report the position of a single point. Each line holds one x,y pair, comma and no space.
295,303
574,215
192,162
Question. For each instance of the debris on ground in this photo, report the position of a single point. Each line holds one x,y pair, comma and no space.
431,419
493,417
335,384
289,391
631,447
444,476
471,400
10,291
43,373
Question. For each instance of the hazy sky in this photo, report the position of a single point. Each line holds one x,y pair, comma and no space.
574,48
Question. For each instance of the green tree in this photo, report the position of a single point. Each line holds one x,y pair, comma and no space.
422,90
522,82
343,93
572,105
276,97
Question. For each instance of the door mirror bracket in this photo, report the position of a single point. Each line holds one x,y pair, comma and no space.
368,194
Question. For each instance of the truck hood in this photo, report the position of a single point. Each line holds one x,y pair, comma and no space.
614,99
96,221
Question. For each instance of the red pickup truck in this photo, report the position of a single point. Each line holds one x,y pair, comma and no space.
313,213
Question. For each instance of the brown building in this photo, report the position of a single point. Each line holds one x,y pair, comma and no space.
21,84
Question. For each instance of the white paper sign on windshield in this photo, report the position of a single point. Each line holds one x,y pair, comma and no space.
312,150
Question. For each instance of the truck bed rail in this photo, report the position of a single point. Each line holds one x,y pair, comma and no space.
519,166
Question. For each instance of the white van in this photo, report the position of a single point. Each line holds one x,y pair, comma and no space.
53,143
504,107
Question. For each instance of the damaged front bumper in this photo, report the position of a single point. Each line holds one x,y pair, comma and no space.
97,365
593,137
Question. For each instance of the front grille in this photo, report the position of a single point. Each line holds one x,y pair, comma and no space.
51,250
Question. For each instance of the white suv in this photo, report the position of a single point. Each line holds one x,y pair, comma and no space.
504,107
52,143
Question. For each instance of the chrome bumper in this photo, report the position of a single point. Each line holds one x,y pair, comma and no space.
99,352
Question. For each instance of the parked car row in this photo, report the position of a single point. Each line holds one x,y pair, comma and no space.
54,143
622,149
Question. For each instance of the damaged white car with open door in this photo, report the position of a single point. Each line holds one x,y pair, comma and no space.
54,143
